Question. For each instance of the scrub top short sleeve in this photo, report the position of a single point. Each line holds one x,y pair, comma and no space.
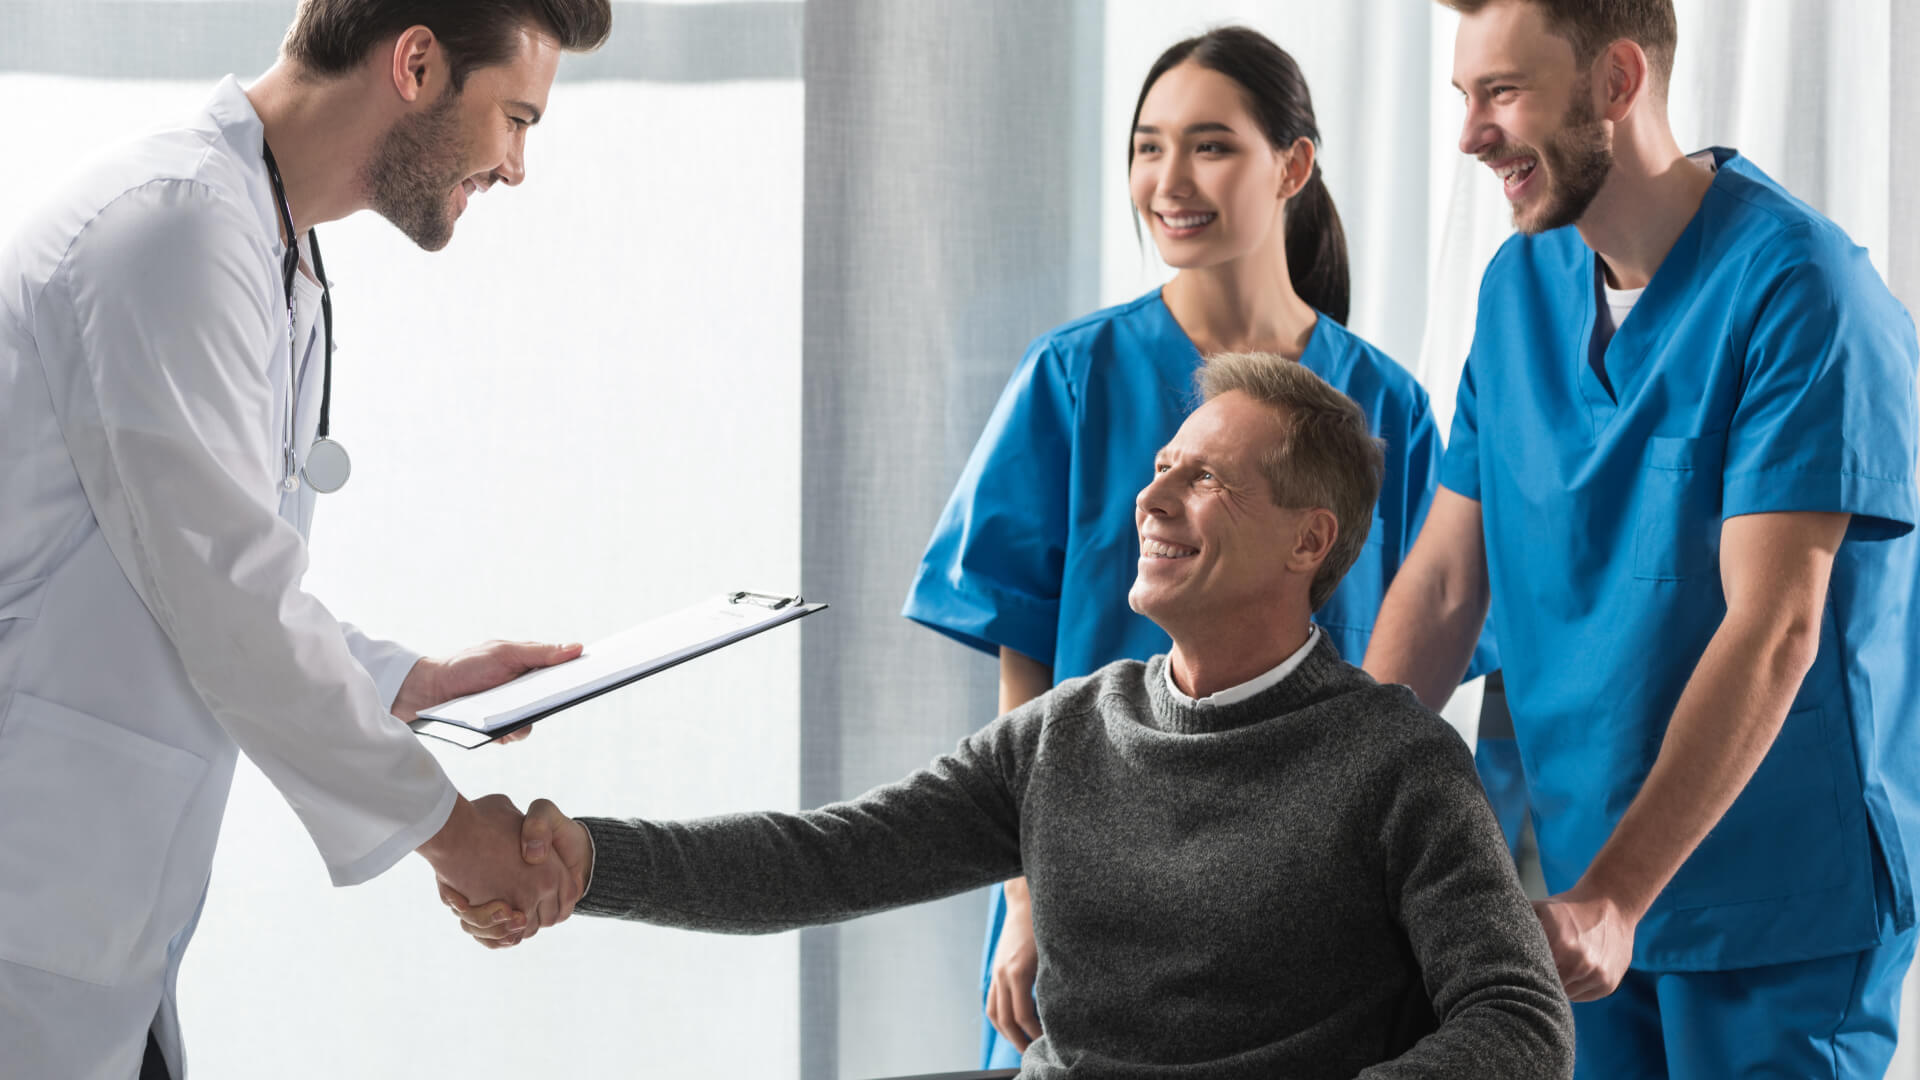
1821,373
993,569
1460,470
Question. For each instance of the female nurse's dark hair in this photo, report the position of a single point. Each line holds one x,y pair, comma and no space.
1277,96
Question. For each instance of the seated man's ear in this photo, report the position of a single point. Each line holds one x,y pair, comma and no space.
1313,540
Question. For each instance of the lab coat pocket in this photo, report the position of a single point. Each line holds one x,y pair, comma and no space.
91,810
1676,532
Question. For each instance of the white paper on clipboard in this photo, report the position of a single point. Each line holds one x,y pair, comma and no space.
604,665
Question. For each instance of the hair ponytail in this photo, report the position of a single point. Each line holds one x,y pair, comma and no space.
1315,241
1317,250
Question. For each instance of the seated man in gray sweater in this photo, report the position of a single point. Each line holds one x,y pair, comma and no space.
1247,858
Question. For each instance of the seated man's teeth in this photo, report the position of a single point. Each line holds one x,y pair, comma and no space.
1163,551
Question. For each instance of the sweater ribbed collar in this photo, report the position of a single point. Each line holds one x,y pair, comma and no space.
1252,687
1320,670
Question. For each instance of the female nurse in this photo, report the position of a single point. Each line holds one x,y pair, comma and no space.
1034,554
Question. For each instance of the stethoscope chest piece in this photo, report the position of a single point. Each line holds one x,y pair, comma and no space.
327,466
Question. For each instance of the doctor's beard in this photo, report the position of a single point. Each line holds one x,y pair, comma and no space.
412,174
1578,158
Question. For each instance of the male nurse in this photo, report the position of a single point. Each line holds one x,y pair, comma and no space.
1682,473
163,364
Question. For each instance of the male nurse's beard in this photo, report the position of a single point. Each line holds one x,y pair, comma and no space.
1578,159
412,174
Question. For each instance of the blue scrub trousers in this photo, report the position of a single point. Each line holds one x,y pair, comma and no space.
1496,757
1835,1018
1498,763
1831,1018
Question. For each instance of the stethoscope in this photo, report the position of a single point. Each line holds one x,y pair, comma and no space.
327,465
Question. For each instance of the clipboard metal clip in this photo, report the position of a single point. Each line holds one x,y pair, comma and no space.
765,600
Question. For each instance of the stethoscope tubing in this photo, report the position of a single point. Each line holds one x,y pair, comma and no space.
289,267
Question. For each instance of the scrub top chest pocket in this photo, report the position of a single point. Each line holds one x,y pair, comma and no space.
1676,535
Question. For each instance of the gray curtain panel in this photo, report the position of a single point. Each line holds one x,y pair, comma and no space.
952,186
1903,222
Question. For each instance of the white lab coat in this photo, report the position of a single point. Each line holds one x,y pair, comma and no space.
152,620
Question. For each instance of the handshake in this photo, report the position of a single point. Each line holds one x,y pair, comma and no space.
505,875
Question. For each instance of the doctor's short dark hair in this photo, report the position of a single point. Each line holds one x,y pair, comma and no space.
1326,457
331,37
1592,25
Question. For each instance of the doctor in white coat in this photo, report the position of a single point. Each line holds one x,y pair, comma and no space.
159,395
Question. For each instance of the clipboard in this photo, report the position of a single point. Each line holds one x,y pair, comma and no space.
609,664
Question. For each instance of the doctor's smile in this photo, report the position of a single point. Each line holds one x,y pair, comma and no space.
467,189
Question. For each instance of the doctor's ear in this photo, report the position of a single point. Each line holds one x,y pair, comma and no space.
417,65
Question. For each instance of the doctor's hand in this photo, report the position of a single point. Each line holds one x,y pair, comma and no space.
478,852
546,833
1592,941
482,667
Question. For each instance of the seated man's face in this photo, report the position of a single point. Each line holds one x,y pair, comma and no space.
1212,540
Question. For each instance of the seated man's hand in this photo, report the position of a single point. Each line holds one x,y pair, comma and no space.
545,832
482,667
479,852
1016,962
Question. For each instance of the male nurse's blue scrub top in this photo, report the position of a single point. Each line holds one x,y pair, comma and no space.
1766,368
1036,549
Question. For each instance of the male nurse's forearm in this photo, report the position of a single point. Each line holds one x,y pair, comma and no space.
1429,622
1726,720
1775,569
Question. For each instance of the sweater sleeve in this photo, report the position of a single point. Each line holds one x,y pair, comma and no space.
1483,958
951,827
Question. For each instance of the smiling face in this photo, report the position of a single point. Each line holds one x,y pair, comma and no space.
1530,117
1213,542
1203,176
429,163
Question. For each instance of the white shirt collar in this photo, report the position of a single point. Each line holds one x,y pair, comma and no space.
1255,685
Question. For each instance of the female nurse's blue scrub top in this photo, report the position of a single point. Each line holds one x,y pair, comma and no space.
1036,549
1766,368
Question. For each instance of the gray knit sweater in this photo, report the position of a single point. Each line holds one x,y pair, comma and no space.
1305,884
